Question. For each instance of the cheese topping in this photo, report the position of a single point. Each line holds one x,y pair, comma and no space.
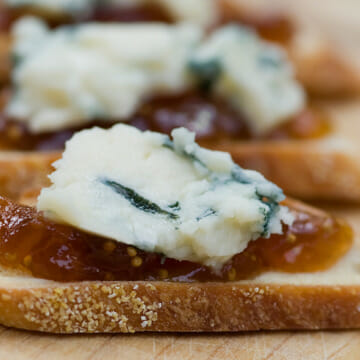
253,75
202,12
171,197
75,75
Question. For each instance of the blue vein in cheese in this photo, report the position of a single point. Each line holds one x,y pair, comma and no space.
162,195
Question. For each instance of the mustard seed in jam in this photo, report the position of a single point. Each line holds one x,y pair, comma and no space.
33,244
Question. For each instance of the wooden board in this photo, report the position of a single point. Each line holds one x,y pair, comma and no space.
16,345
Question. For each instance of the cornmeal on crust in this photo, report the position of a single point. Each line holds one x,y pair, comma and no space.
328,300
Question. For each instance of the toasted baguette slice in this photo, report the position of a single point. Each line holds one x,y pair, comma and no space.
318,59
20,172
272,301
327,168
275,302
320,66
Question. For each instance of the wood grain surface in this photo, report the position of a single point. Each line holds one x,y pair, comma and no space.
342,21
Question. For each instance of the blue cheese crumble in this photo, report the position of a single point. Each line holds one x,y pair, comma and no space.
161,195
78,74
75,75
253,75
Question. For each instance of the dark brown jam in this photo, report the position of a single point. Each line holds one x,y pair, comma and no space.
35,245
211,118
145,12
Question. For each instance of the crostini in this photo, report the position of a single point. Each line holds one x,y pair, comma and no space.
140,232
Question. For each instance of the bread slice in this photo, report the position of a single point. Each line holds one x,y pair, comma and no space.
272,301
318,59
327,168
20,172
320,66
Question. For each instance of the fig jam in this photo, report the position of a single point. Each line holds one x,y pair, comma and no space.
32,244
212,119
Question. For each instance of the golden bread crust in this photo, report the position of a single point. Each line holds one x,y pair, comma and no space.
272,301
109,307
302,169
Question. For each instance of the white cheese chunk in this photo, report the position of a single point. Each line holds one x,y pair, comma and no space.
252,74
74,75
201,12
171,197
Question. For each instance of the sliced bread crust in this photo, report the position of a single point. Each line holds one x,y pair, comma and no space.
274,302
271,301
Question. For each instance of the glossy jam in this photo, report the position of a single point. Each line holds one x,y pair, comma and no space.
30,243
211,119
146,12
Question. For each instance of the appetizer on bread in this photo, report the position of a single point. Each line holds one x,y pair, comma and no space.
140,232
235,90
321,69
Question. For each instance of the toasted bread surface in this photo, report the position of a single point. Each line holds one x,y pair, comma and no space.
327,300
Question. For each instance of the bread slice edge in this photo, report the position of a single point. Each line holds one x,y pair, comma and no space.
273,301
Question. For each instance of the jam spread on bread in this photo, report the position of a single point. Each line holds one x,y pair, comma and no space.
141,12
32,244
163,114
